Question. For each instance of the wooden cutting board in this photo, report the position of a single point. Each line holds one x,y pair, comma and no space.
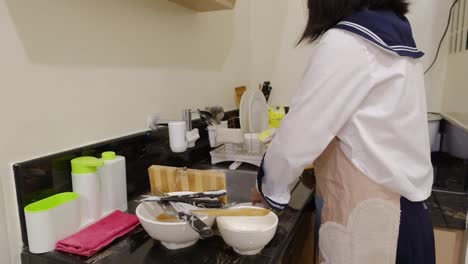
172,179
239,91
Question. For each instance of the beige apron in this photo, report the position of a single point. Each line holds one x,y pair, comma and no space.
360,219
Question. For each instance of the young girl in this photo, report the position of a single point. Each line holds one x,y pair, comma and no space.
360,117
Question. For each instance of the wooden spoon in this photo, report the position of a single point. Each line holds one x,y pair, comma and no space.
167,218
232,212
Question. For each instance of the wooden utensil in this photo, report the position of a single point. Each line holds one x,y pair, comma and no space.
239,92
232,212
167,218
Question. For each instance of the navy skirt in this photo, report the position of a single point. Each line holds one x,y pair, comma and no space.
416,238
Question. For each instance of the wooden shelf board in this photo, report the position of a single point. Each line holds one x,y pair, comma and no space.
206,5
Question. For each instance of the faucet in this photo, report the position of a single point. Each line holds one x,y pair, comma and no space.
154,122
192,134
187,118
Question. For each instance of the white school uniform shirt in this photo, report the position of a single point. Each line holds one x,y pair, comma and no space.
373,101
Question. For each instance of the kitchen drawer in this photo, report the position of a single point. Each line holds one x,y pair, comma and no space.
302,247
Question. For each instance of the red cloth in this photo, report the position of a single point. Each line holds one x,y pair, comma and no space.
96,236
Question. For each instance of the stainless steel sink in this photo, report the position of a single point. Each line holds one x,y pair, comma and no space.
239,182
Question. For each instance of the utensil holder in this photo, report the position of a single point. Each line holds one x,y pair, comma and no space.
51,220
212,133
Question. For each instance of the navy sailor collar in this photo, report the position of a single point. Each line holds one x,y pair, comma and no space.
385,29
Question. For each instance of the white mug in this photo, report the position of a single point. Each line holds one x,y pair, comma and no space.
177,136
251,143
212,136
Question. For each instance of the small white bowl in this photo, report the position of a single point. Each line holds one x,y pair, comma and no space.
172,235
248,235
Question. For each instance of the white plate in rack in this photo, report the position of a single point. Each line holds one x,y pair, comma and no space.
244,111
258,112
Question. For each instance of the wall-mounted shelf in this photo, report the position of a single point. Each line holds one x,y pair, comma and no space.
206,5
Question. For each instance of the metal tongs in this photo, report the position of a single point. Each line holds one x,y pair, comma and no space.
203,230
185,213
174,205
195,199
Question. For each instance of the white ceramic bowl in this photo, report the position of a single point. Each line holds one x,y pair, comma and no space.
248,235
172,235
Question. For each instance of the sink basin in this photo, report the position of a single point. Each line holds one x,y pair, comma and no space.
239,182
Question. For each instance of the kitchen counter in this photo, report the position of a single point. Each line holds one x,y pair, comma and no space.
137,247
40,178
449,199
448,210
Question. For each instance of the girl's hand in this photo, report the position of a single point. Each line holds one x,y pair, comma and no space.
257,198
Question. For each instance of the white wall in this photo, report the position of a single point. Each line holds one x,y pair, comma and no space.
456,94
428,19
77,72
276,58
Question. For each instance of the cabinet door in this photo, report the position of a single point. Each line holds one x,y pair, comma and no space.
302,248
449,246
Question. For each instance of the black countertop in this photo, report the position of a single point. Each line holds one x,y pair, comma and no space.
137,247
449,199
448,202
448,209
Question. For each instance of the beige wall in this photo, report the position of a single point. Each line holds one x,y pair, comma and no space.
77,72
429,18
276,57
456,94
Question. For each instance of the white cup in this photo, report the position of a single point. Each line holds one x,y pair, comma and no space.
177,136
251,143
212,133
212,136
223,124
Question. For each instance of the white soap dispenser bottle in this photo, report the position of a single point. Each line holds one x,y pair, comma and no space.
113,183
86,183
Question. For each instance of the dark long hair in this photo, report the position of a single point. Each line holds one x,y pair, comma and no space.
324,14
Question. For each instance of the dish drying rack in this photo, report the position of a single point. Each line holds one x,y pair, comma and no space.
239,153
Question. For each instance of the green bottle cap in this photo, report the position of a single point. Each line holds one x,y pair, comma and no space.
108,155
85,165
